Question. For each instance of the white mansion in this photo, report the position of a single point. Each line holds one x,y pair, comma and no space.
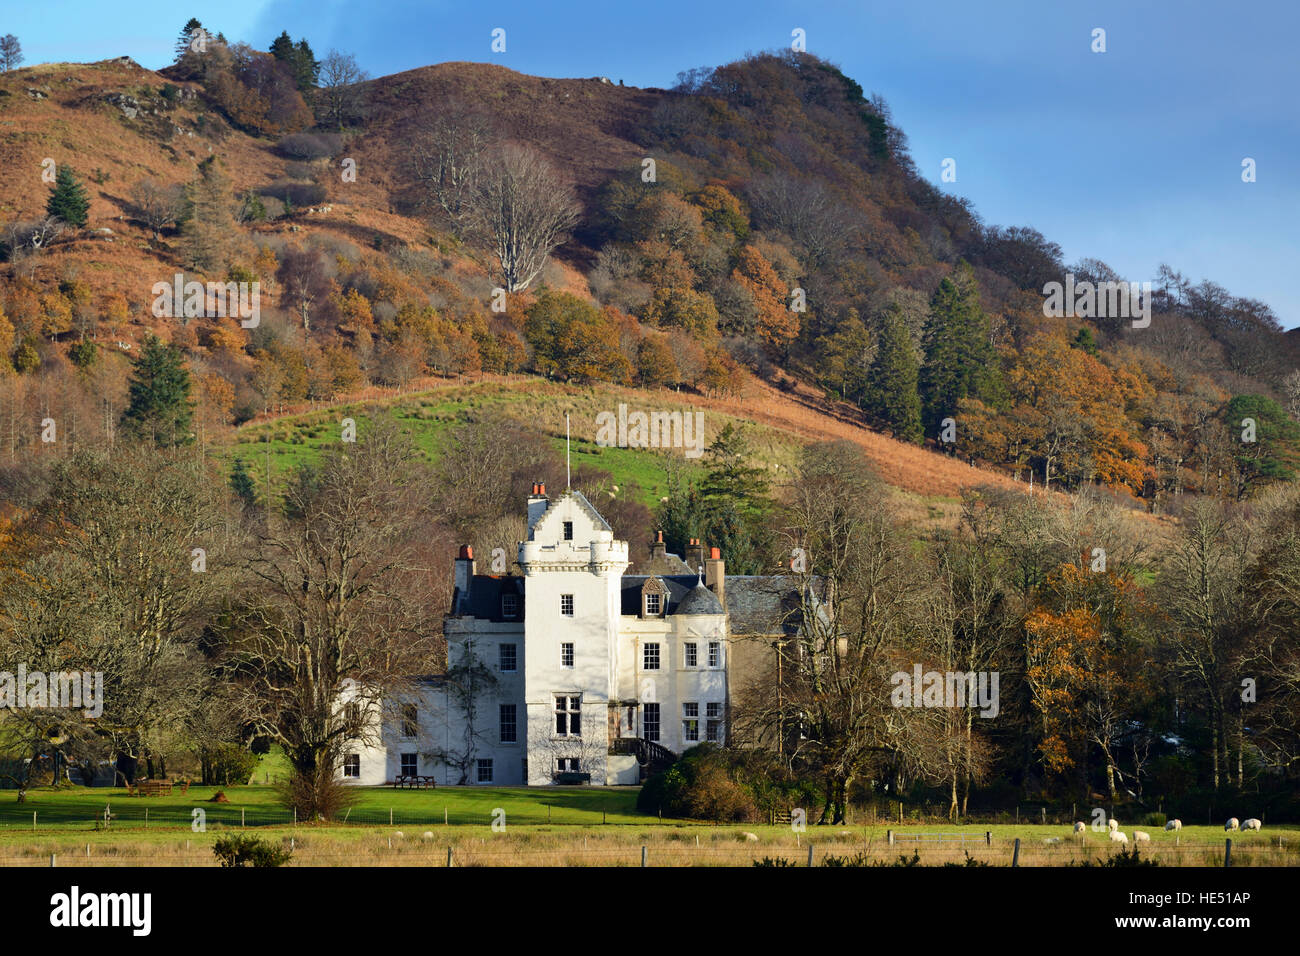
575,671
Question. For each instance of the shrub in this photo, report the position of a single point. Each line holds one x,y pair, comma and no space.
1154,820
294,194
227,764
779,861
83,354
702,785
310,145
241,850
1124,858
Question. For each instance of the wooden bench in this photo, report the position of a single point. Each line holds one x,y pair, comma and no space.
572,777
414,781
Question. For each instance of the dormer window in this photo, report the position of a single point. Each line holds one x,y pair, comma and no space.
510,605
654,598
568,531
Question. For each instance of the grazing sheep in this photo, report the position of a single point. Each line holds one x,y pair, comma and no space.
1174,825
1080,827
1252,824
1141,837
426,835
1117,837
1113,824
1231,824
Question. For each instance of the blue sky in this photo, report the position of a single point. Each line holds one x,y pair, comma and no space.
1132,156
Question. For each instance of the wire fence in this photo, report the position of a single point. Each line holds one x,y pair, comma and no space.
131,814
720,849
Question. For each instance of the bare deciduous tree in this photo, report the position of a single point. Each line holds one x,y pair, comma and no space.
447,154
803,210
337,596
341,95
114,585
522,210
11,52
158,204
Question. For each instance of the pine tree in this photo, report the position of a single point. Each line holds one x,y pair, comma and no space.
241,482
305,67
892,394
959,360
160,408
68,201
183,41
736,505
209,226
282,48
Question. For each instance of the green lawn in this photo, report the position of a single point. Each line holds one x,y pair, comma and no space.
83,808
431,415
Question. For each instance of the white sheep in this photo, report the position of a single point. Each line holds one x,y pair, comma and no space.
1141,837
1252,824
1080,827
1174,825
1231,824
1113,824
1117,837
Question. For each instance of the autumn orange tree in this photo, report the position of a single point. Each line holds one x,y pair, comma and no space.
1070,416
573,339
1084,666
775,324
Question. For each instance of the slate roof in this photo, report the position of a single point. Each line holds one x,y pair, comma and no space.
700,600
756,604
662,562
485,592
678,585
762,604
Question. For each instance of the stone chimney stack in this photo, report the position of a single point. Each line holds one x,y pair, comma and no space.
464,575
694,555
537,504
657,547
715,575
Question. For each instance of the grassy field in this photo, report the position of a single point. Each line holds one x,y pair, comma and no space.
430,416
83,808
69,826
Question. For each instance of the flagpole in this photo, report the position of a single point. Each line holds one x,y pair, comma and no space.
568,474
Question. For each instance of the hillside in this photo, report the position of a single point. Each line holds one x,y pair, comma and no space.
777,181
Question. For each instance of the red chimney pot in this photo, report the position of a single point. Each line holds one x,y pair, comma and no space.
714,553
466,553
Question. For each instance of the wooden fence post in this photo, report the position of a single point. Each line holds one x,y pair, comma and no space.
810,854
643,852
988,837
449,857
1015,854
1227,853
890,835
